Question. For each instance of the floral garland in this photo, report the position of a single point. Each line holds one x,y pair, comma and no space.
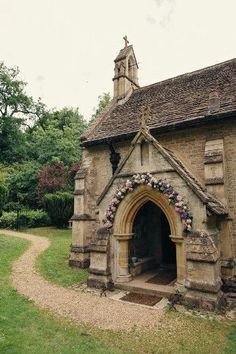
160,185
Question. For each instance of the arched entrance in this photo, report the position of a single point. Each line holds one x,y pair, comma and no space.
151,246
126,221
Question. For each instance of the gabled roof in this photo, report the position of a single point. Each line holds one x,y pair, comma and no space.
177,101
213,205
124,52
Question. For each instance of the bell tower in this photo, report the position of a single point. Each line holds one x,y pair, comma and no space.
126,71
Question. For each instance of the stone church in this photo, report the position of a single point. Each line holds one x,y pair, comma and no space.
155,197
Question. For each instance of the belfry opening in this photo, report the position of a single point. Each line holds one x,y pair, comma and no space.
151,248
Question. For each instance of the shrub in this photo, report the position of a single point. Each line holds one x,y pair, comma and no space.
26,218
59,206
3,197
23,184
52,178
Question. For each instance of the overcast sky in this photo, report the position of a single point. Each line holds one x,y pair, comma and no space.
65,48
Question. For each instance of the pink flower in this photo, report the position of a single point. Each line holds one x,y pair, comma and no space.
108,224
179,197
128,184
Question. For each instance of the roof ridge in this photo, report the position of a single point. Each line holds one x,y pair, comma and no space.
188,74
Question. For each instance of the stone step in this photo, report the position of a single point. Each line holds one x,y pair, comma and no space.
149,289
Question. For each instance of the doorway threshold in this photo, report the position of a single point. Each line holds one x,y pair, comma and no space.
141,285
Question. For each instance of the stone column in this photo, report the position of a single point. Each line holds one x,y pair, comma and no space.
122,261
180,258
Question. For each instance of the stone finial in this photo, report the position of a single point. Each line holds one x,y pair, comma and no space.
146,112
213,102
126,41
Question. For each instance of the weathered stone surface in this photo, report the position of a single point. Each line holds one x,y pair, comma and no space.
199,163
83,264
201,247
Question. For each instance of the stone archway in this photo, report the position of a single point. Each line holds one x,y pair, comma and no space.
123,225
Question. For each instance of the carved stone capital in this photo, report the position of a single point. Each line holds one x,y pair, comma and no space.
177,239
123,237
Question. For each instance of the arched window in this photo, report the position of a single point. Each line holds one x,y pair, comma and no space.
131,68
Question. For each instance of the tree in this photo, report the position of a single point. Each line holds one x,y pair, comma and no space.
22,185
103,101
52,178
16,111
3,197
56,137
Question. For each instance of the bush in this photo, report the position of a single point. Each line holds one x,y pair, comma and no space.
52,178
59,206
3,197
26,218
23,185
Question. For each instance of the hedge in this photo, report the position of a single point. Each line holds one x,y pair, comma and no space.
59,206
3,197
26,218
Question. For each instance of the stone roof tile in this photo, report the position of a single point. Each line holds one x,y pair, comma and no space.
181,99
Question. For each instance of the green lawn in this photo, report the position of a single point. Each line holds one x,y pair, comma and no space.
53,263
24,329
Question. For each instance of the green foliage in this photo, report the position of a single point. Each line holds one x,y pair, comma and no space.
23,183
56,137
59,206
3,197
26,218
16,108
103,101
51,178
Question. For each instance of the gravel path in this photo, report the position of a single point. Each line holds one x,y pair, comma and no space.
86,308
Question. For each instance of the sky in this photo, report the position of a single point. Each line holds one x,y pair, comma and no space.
65,49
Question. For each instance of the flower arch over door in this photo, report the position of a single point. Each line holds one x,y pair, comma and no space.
160,185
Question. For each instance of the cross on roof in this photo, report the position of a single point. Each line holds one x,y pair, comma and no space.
126,41
146,112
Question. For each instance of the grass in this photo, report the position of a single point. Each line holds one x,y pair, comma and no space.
24,329
53,263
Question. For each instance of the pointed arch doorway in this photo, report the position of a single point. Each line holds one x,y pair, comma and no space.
150,208
151,249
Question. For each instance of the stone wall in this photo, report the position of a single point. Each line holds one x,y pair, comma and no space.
188,144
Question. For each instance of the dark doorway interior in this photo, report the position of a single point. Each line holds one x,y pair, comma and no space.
151,246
